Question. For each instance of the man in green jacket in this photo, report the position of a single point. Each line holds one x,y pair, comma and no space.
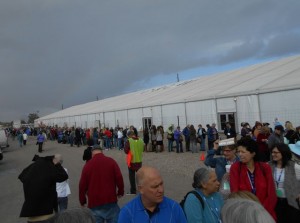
134,148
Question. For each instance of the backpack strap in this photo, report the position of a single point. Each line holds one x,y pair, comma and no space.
197,196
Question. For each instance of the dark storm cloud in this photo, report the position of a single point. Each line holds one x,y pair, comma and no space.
55,52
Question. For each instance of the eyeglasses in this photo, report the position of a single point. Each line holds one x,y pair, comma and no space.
227,150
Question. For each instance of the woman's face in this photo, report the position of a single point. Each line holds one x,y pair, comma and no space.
276,155
212,185
245,155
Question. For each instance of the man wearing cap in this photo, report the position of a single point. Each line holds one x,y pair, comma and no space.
101,183
219,163
276,137
134,148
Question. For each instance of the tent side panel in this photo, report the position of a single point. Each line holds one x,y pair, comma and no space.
283,105
121,118
248,109
135,118
172,114
201,112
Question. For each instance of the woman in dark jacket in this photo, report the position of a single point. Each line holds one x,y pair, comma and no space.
146,138
39,185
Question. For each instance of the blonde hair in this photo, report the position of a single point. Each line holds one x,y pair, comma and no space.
289,126
244,195
265,130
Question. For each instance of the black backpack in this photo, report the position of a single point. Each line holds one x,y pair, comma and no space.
196,194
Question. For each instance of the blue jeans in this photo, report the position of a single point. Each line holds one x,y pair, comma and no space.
120,143
178,146
108,213
170,145
202,144
107,143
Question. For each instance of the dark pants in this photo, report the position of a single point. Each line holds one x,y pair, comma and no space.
62,203
187,143
132,181
210,144
40,146
178,146
285,212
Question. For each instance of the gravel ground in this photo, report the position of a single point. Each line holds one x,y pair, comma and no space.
176,169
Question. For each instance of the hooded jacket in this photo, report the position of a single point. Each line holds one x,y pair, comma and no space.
39,185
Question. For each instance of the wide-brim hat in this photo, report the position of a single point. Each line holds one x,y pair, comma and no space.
295,148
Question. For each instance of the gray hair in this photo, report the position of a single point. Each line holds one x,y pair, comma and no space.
244,210
75,215
201,176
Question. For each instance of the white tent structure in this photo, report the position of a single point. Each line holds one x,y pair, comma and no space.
255,93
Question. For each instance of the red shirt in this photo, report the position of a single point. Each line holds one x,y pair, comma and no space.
262,146
108,133
264,183
101,181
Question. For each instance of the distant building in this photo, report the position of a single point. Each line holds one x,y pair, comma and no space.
256,93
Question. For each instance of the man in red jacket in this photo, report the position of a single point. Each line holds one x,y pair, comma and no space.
102,183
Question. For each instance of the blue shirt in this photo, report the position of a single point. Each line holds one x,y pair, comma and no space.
218,163
168,211
211,212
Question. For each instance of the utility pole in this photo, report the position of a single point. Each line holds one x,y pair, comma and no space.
177,77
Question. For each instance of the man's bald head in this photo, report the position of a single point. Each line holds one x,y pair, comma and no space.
145,173
150,185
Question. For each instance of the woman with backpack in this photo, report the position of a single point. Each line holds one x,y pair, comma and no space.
204,204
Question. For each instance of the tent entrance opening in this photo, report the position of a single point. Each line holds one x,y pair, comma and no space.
227,117
147,122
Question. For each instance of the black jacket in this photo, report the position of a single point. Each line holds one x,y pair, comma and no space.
39,185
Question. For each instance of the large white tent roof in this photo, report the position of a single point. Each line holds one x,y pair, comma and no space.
272,76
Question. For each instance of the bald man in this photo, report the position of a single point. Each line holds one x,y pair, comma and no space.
151,205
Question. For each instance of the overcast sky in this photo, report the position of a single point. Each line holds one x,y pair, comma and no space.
55,52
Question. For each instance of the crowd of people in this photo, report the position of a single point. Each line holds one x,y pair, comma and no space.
254,178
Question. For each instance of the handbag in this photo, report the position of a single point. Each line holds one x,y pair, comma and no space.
198,139
180,138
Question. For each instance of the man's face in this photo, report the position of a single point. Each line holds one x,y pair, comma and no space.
152,189
277,131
